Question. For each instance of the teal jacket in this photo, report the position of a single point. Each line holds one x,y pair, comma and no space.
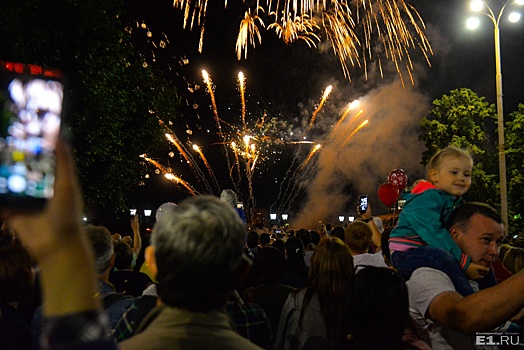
423,219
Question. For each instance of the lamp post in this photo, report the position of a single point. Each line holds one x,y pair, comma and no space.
477,6
341,219
351,218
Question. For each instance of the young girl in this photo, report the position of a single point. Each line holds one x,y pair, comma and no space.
420,238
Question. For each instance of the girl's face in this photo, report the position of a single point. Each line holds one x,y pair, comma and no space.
453,175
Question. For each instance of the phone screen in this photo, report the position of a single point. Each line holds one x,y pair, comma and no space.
31,102
362,203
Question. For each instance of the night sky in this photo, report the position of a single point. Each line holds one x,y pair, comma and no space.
287,81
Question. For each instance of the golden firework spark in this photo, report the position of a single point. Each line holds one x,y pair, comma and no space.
313,151
242,88
389,29
325,96
353,133
207,165
247,33
170,176
292,29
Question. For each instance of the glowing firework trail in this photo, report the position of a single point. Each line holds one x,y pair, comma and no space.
206,163
170,176
208,82
313,151
189,159
343,117
237,162
175,179
347,128
241,87
353,133
320,105
327,91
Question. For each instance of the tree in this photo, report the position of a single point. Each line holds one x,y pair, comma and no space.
464,119
115,99
514,144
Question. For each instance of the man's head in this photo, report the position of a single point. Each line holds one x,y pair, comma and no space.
358,237
196,253
102,244
478,230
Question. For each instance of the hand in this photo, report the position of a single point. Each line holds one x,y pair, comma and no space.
46,232
365,215
476,271
55,239
135,224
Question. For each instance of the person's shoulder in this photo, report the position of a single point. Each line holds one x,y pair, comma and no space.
422,272
426,283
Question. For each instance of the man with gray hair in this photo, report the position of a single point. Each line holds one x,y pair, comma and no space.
197,258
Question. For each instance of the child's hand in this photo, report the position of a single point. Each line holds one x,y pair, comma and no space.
476,271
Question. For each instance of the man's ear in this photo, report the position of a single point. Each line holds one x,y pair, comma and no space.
149,255
454,232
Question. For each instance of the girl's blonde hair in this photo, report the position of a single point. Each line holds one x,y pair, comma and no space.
451,151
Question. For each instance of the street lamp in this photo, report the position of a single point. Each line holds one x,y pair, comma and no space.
351,218
273,216
284,217
341,218
147,213
477,6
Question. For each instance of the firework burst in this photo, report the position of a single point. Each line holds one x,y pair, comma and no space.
359,32
251,142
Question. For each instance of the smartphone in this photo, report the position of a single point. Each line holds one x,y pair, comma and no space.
240,205
31,110
362,203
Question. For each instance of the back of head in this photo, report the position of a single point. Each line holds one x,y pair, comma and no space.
377,309
16,276
331,268
330,276
315,237
252,239
101,245
280,245
265,239
514,259
339,232
269,262
123,256
304,235
462,214
294,249
358,237
198,251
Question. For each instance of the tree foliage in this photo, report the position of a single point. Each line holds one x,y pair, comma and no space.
115,99
514,144
464,119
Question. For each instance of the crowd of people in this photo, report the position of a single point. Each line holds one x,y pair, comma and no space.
434,280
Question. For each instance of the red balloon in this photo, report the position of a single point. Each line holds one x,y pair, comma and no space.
398,178
388,194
